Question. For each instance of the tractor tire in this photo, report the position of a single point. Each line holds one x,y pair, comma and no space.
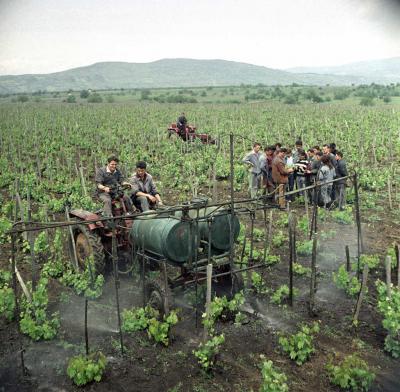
88,243
158,297
237,283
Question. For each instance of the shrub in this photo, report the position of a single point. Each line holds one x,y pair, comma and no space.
300,346
352,373
207,352
344,281
82,369
95,98
272,379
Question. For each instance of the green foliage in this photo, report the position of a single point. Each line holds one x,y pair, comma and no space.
344,217
7,302
371,260
159,330
278,239
84,94
282,294
223,309
352,373
71,99
344,281
82,369
207,352
139,319
272,379
302,224
390,310
272,259
392,253
95,98
5,225
300,270
304,248
84,282
300,345
258,283
34,321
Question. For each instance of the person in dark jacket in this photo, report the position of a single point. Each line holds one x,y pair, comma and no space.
107,179
341,171
181,123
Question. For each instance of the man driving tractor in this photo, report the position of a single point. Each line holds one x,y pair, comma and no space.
144,192
107,180
181,123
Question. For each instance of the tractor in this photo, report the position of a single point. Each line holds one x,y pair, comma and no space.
184,239
189,134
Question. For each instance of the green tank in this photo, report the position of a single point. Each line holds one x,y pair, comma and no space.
167,237
220,226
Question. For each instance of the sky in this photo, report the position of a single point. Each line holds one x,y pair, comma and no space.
44,36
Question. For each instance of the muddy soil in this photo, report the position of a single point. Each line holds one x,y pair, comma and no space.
146,366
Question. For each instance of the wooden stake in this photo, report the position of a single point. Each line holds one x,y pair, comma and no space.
347,258
208,298
361,294
313,277
388,266
396,249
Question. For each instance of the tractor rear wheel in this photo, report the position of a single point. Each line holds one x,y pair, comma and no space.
158,296
88,243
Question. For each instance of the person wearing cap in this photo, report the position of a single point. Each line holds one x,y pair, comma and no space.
144,192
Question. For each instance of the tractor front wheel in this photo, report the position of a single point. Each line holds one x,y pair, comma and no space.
88,244
158,296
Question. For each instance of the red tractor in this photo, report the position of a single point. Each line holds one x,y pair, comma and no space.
95,239
189,134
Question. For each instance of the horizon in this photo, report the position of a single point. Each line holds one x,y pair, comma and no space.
42,37
215,59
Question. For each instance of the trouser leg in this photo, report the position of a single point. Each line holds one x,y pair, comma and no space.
341,196
106,199
143,203
253,185
281,195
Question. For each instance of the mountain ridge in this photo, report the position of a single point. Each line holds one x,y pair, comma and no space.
174,72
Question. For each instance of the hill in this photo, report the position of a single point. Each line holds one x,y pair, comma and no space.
384,71
164,73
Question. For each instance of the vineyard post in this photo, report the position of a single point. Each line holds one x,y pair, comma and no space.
232,173
396,249
291,256
347,258
270,228
313,278
306,208
32,246
86,327
250,260
265,231
361,293
388,266
116,281
358,220
196,259
16,309
72,248
143,274
208,297
165,280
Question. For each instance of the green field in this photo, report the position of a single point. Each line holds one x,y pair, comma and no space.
50,150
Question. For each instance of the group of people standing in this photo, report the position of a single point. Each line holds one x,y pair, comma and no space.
143,192
280,169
